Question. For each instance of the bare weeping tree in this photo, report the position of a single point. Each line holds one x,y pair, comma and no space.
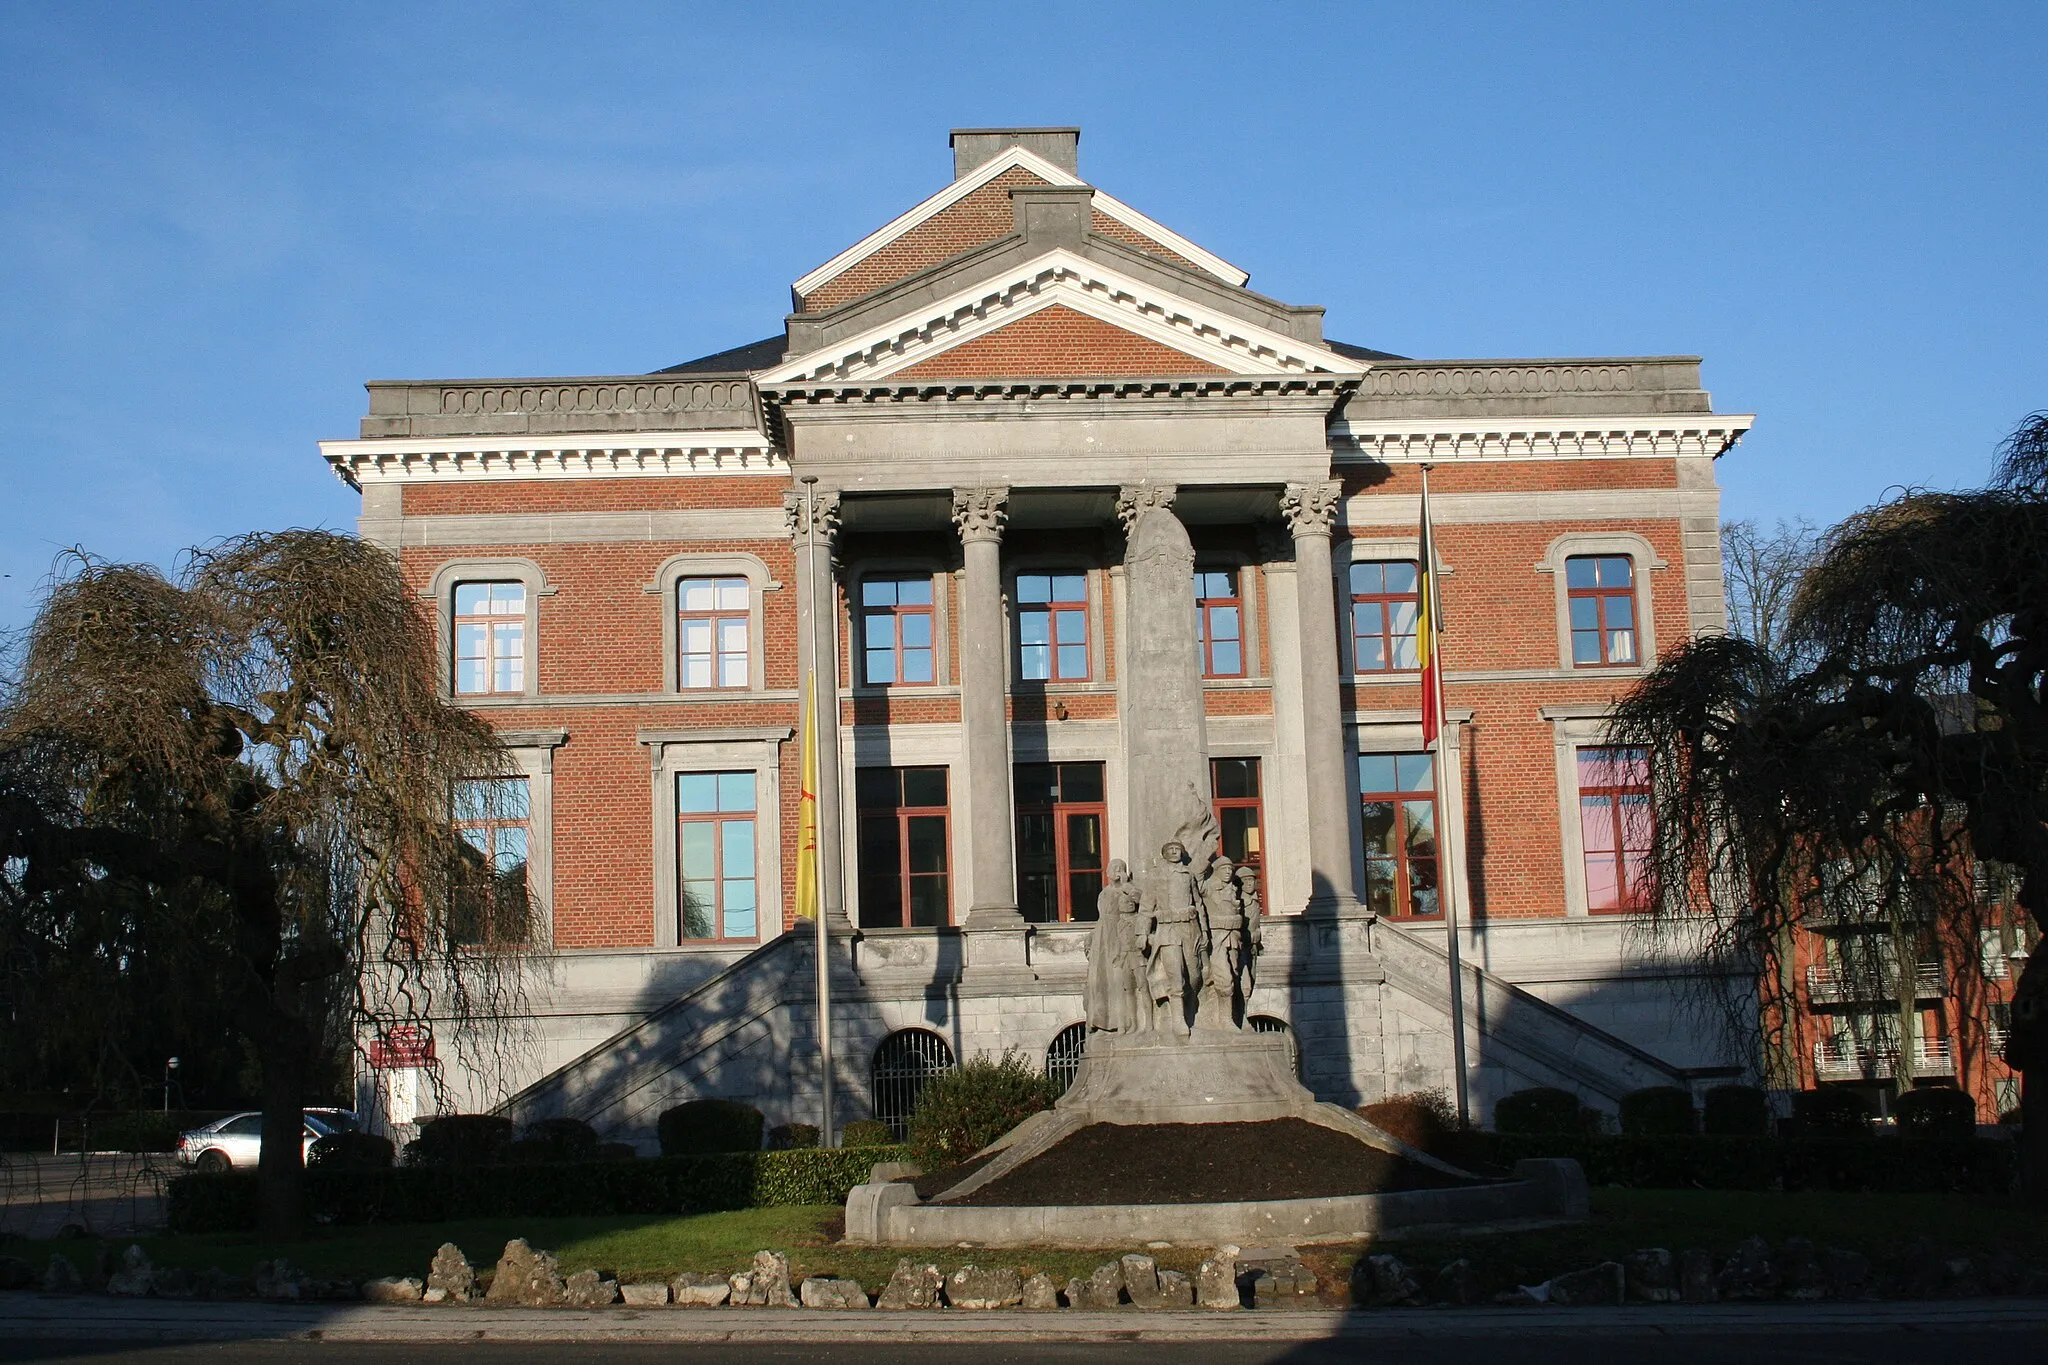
1763,568
245,777
1852,774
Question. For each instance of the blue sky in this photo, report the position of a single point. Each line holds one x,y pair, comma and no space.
217,220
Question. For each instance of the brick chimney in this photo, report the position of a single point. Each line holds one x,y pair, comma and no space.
974,146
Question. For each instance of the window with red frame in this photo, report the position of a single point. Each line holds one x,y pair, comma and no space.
1615,827
1052,627
896,630
1385,604
711,632
1219,623
1060,822
490,638
1234,784
904,847
1398,796
1600,593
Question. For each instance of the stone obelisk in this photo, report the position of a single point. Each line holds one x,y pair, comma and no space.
1166,747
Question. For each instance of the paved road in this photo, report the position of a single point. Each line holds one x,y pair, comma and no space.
1852,1347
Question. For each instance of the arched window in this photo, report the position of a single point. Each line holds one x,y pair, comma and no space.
1063,1057
1266,1023
903,1063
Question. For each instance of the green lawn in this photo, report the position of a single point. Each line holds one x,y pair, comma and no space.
656,1247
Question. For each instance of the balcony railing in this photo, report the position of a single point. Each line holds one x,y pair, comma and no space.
1836,1059
1825,986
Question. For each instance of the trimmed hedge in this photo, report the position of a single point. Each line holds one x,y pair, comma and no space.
460,1140
1539,1110
1736,1111
432,1194
1887,1165
705,1126
867,1133
1936,1111
1659,1111
789,1137
559,1140
351,1152
1838,1112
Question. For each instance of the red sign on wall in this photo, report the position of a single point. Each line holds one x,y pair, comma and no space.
402,1045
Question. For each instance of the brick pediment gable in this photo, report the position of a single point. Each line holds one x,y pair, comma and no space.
976,220
1058,342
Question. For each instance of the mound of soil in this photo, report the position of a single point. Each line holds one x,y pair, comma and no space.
1203,1163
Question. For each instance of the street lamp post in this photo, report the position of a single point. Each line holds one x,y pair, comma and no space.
170,1065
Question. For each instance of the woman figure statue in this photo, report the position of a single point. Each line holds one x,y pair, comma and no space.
1115,957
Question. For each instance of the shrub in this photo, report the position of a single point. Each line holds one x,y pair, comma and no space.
1936,1111
866,1133
1659,1111
1933,1165
351,1152
703,1126
562,1139
790,1137
1840,1112
460,1140
1426,1119
961,1111
132,1131
431,1194
1736,1111
1540,1110
616,1151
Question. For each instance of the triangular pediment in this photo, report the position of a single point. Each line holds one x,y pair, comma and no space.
1107,322
974,211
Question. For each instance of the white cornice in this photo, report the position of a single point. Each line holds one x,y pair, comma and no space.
1012,159
1629,436
1062,277
582,455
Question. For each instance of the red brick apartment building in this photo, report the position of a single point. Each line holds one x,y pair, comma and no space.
633,578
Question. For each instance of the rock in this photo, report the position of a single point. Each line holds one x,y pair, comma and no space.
1175,1290
644,1295
1076,1293
1216,1280
1652,1275
913,1286
1141,1280
16,1273
1696,1277
1750,1273
331,1291
434,1296
818,1292
525,1276
393,1289
135,1277
2001,1273
1457,1284
280,1281
452,1274
1280,1282
1962,1279
1603,1285
215,1283
1848,1273
176,1282
692,1289
590,1289
1384,1281
1104,1287
1041,1292
1800,1273
970,1287
767,1283
61,1277
1922,1270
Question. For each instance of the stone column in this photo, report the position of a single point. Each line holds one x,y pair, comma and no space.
817,617
979,514
1311,513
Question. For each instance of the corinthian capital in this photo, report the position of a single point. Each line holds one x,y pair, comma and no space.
979,513
1311,508
821,515
1133,500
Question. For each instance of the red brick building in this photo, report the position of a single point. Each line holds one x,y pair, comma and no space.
633,582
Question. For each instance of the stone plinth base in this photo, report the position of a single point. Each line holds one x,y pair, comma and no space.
1221,1076
1547,1191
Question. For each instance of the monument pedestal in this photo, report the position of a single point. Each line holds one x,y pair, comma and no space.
1209,1076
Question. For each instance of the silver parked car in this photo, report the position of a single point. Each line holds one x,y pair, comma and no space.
237,1141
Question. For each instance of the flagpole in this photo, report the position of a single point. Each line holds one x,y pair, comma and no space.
814,722
1444,777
